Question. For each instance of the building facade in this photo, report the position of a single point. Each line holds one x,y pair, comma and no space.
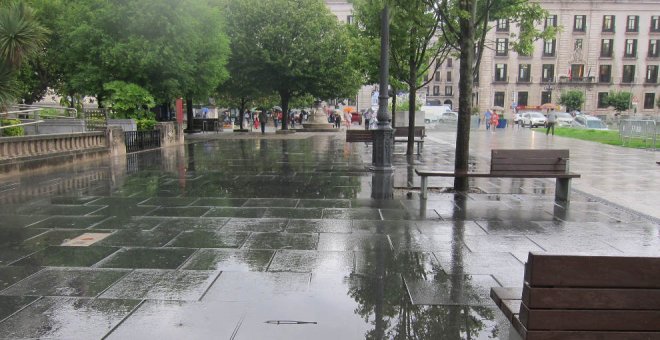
602,46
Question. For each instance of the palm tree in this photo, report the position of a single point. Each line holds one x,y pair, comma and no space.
21,35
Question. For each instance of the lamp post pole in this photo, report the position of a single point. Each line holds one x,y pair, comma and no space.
384,135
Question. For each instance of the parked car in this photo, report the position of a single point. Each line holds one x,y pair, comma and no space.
449,117
564,119
356,117
589,122
533,119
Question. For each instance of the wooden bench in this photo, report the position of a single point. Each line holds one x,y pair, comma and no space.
585,298
402,131
520,164
366,136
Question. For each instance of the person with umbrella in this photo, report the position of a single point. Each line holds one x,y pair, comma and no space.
487,116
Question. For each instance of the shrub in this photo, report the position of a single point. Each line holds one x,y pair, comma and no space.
11,131
145,124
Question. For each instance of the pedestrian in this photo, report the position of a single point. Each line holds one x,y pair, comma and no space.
552,119
263,119
337,120
256,121
367,118
487,117
348,116
494,120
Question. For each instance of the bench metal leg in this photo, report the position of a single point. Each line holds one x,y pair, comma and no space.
423,187
563,190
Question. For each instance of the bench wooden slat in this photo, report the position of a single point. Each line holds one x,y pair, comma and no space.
592,271
591,298
591,335
520,168
402,131
431,173
589,320
529,153
359,136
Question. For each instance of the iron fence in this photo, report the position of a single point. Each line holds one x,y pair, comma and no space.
142,140
96,120
646,130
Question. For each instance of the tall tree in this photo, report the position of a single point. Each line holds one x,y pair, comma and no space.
291,47
464,26
572,99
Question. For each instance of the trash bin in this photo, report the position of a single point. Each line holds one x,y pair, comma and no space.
501,124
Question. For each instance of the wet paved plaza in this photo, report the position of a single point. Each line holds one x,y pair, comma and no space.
287,237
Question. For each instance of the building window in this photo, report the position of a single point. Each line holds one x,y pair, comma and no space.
608,23
449,91
577,71
602,100
499,99
350,19
522,98
649,101
549,48
428,91
476,77
449,76
500,72
436,90
437,76
580,23
551,21
501,46
426,77
628,74
524,71
548,73
654,51
606,46
546,97
632,24
631,48
577,45
449,62
652,74
655,23
502,25
605,73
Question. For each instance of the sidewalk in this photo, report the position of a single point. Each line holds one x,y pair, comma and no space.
283,236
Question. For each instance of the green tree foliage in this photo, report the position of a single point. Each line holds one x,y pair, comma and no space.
292,48
572,99
21,36
129,100
620,101
464,26
11,131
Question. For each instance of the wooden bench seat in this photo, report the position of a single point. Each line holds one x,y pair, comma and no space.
585,297
544,163
366,136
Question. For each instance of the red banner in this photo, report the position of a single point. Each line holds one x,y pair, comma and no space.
179,110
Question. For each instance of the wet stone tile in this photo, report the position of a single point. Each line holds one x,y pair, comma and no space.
324,203
271,202
293,213
119,201
187,285
209,239
176,211
189,223
19,221
352,214
54,318
59,256
51,238
12,274
383,227
438,290
16,236
169,201
66,282
181,320
219,202
376,204
504,267
256,286
519,227
60,210
352,242
636,246
307,261
255,225
230,260
156,258
138,223
318,226
236,212
449,228
140,238
73,200
501,244
69,222
125,210
281,241
568,245
11,304
9,254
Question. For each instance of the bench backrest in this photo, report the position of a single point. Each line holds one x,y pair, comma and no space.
359,135
402,131
591,293
528,161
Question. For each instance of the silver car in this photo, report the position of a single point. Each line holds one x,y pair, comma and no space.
533,119
589,122
564,119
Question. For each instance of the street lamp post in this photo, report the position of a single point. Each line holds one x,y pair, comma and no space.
384,135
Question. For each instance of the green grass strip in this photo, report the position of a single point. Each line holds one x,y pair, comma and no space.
610,137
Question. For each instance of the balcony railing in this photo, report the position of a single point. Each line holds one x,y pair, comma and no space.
577,80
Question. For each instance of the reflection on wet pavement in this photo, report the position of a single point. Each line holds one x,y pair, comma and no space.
249,238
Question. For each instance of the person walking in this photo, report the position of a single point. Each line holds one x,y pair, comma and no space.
263,118
552,120
487,116
494,120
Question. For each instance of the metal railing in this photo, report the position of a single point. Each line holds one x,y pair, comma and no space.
646,130
142,140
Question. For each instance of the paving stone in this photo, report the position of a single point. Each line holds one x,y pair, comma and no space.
60,256
19,221
12,274
186,285
440,290
255,225
219,202
209,239
324,203
270,202
11,304
140,238
230,260
66,282
169,201
307,261
352,214
156,258
177,211
293,213
51,237
189,223
129,222
277,241
352,242
318,226
256,286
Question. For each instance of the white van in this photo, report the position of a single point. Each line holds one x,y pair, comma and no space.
433,114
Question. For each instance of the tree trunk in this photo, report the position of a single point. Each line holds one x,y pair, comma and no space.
241,112
467,25
189,113
285,97
412,85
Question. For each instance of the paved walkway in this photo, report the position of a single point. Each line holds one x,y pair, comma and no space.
244,236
